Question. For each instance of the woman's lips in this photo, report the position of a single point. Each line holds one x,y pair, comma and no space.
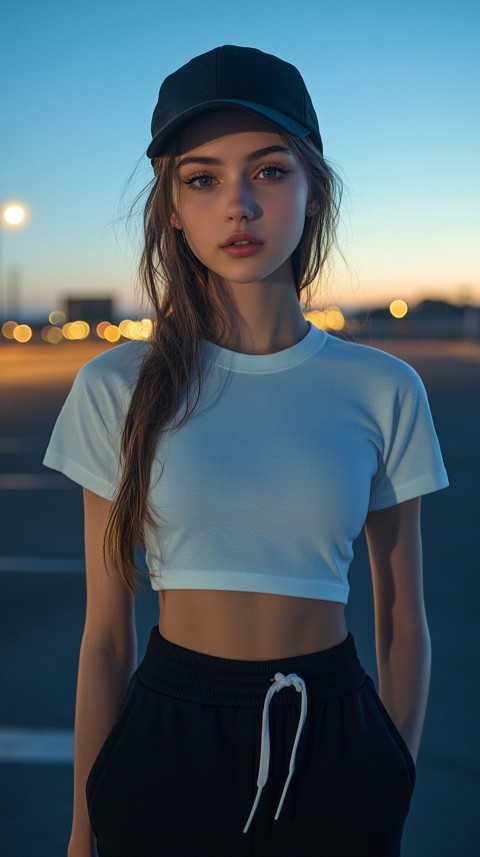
242,244
244,249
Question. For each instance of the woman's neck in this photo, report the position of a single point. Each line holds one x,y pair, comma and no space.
260,319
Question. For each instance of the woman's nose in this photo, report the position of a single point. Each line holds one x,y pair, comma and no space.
241,202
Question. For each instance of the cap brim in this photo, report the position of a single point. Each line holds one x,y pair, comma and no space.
158,145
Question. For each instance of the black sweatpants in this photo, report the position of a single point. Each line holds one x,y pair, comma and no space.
177,776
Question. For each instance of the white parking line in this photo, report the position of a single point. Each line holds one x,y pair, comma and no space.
35,481
48,564
41,746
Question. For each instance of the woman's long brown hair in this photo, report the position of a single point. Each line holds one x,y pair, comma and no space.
176,284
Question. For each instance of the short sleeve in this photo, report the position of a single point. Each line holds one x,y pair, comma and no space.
86,439
410,460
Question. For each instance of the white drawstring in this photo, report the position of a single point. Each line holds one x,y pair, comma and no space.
279,682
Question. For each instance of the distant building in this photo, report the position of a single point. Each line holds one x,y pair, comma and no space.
91,310
429,319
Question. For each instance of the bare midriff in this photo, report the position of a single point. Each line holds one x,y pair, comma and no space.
250,625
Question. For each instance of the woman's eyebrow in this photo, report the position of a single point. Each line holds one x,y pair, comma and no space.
253,156
268,150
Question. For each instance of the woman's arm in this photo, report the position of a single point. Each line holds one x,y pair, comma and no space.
107,661
401,630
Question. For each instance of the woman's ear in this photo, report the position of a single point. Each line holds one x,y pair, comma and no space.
175,221
313,208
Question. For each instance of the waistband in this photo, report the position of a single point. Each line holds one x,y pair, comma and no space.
195,677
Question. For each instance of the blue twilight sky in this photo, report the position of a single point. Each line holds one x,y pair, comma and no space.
396,87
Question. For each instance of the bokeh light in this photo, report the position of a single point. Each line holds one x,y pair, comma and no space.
14,214
101,328
136,329
398,308
57,316
75,330
335,319
7,329
52,334
22,333
330,318
124,327
112,333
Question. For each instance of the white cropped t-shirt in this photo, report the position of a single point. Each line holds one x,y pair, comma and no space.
268,484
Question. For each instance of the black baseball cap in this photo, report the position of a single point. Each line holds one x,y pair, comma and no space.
233,76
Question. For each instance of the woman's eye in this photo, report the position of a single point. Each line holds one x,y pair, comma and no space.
272,173
200,181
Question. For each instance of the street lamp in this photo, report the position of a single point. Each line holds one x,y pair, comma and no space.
13,215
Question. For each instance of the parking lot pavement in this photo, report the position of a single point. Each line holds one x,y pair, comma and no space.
42,603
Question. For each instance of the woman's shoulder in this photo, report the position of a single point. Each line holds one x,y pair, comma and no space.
117,367
366,362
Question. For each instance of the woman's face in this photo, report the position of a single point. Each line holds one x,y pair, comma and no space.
241,197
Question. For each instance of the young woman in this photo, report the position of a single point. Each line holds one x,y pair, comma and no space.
245,449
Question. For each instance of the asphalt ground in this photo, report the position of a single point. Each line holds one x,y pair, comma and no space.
42,606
